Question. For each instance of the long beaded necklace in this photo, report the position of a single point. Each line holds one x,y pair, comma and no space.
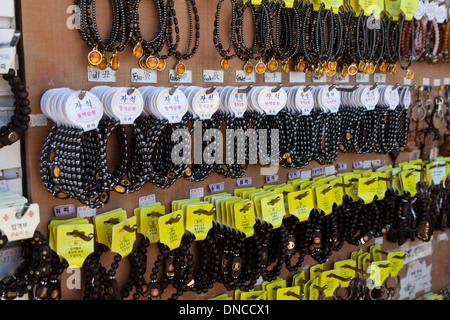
194,35
225,53
115,42
147,51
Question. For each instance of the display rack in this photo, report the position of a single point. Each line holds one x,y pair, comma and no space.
54,56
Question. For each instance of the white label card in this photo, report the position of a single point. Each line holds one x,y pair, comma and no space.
175,78
127,106
196,193
362,77
213,76
139,75
272,77
147,200
241,76
86,212
96,75
17,227
297,77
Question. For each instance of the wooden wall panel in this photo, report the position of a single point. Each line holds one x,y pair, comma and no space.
55,56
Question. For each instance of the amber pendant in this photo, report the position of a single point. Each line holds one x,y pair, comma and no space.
248,67
394,69
409,74
143,62
361,66
272,65
180,68
352,70
384,67
332,65
285,67
161,64
344,71
300,66
224,64
331,72
138,51
260,67
152,62
114,63
103,64
309,70
94,57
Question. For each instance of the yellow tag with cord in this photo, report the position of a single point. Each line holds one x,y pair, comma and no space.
104,224
124,236
301,203
171,229
396,260
272,210
148,221
75,242
199,219
325,198
244,217
367,189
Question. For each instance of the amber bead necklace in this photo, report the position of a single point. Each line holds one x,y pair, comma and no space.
194,35
117,39
147,51
225,53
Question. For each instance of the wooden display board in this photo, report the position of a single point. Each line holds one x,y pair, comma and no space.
54,56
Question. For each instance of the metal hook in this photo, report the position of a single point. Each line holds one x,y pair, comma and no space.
246,207
326,190
154,214
348,185
375,85
331,87
23,212
307,88
332,275
246,90
348,89
208,213
277,88
211,90
301,196
354,269
131,90
396,86
274,201
174,220
112,221
174,88
130,229
82,94
293,294
370,181
81,235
